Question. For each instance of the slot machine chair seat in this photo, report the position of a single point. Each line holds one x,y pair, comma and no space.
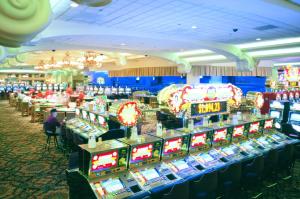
229,181
204,187
79,187
252,177
50,134
177,190
113,134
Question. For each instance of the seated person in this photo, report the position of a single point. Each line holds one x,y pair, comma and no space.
52,122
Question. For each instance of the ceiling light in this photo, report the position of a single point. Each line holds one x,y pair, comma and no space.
282,51
74,5
258,39
123,44
205,58
193,52
275,42
194,27
288,63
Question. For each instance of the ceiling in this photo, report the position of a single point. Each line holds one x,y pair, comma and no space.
154,27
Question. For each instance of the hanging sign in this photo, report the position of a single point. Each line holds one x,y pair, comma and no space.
128,114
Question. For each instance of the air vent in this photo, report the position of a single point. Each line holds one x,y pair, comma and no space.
266,27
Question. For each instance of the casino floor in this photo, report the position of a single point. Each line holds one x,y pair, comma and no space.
27,171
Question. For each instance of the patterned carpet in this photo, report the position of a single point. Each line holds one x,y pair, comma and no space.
26,169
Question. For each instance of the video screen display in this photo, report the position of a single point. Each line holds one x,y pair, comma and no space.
141,152
254,127
84,115
198,140
206,157
228,151
268,124
295,117
275,114
112,185
104,161
238,131
180,165
150,174
172,145
220,135
92,117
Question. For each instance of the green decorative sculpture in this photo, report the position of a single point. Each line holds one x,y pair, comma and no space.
93,3
21,20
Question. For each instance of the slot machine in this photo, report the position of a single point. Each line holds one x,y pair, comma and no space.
105,167
293,124
297,96
50,87
38,87
121,91
9,88
44,87
2,88
101,90
22,87
279,110
107,91
128,91
15,87
175,151
144,162
56,87
95,89
222,138
291,96
114,91
62,87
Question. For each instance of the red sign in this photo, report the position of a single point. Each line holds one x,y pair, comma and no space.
238,131
104,161
198,140
141,152
172,145
220,135
254,127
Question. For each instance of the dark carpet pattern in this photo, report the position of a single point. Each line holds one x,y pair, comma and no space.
26,169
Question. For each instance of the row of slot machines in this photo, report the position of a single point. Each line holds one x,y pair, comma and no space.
6,88
109,90
87,123
53,87
125,168
287,116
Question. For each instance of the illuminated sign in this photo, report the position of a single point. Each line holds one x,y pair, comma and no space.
293,84
206,108
268,124
141,152
198,140
128,114
254,127
238,131
172,145
104,161
220,135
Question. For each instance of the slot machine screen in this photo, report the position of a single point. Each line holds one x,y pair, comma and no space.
254,127
268,124
150,174
275,114
102,121
198,140
206,157
112,185
172,145
104,161
238,131
220,135
295,117
93,117
84,115
141,153
180,165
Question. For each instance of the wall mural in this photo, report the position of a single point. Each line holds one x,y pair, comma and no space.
29,16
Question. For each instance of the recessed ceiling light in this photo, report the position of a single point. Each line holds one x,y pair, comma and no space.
258,39
123,44
194,27
74,5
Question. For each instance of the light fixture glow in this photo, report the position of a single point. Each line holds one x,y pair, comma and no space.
74,5
123,44
194,27
269,43
282,51
194,52
206,58
258,39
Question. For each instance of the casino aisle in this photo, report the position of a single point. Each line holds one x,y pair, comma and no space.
25,170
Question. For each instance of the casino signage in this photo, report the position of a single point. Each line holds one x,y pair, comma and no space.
208,108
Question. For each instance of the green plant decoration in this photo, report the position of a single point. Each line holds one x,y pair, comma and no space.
21,20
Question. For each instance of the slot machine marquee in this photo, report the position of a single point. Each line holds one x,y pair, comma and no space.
200,139
240,132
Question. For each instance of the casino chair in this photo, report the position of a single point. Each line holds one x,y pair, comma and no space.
79,187
69,140
229,181
204,187
50,134
252,177
113,134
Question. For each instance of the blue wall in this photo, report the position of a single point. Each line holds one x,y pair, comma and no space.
152,84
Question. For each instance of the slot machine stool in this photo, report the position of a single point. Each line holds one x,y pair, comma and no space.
49,135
